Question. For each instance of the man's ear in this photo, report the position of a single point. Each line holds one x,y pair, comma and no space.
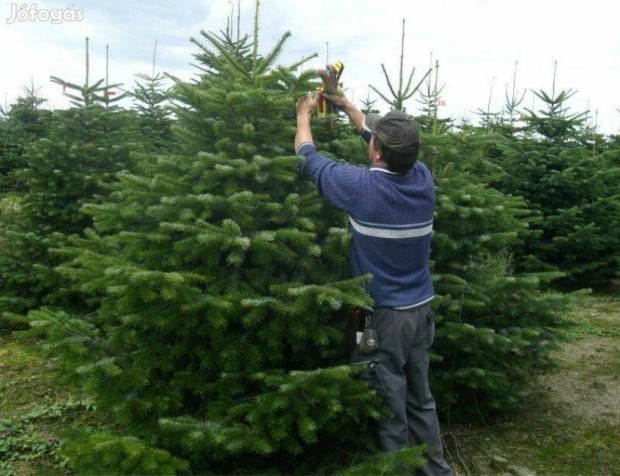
375,151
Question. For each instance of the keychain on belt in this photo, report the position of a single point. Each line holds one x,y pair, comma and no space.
368,340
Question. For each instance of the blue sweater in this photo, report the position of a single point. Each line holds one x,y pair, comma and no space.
391,222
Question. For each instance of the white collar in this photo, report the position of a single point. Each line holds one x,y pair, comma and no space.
381,169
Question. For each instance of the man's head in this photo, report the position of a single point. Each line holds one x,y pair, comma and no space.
395,138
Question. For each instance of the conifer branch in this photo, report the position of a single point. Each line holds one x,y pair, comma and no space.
306,76
303,60
402,54
255,44
97,86
410,79
420,82
381,95
238,19
231,63
154,56
387,78
87,72
106,99
513,102
267,61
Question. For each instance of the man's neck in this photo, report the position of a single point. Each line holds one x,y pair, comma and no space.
378,162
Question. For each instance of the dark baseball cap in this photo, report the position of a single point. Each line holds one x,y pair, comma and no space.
396,129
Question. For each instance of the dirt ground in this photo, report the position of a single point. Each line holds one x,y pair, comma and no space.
571,425
589,388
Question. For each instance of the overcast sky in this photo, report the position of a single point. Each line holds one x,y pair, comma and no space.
476,42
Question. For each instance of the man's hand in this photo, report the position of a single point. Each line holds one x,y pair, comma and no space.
307,104
341,102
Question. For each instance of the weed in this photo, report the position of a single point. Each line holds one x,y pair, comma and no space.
25,439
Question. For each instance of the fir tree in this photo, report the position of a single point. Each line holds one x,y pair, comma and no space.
514,100
23,124
575,193
489,120
71,166
431,99
90,94
155,120
219,341
151,100
402,94
83,149
369,105
499,325
554,124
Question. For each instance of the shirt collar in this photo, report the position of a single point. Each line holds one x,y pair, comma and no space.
381,169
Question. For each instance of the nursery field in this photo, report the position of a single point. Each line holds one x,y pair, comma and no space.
176,288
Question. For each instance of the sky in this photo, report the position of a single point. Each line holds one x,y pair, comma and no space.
479,45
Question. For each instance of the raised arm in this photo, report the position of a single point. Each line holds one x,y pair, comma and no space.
305,108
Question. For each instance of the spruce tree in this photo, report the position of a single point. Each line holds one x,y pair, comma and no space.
219,342
404,91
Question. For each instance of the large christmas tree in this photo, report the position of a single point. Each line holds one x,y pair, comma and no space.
219,345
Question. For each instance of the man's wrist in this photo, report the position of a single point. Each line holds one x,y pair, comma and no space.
304,132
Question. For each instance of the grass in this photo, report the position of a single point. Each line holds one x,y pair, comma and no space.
541,440
570,426
33,412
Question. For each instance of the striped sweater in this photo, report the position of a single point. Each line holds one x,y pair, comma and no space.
391,222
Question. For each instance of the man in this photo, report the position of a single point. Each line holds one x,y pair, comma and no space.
390,206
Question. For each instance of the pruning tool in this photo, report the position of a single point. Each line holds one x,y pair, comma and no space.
330,77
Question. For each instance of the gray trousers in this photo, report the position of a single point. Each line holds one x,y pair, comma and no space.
398,371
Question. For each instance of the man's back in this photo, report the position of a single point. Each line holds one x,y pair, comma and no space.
391,217
391,235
